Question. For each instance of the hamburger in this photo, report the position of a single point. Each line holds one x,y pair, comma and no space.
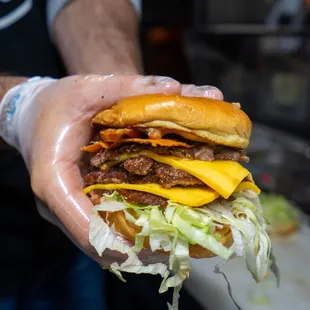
166,175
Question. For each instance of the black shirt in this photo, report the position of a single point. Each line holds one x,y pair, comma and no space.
25,46
28,243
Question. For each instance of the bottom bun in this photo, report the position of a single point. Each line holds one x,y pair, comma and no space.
129,230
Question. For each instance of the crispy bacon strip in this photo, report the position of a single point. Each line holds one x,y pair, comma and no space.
154,133
114,135
153,142
158,133
95,147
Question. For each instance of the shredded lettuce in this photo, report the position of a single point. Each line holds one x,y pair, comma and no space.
218,270
174,228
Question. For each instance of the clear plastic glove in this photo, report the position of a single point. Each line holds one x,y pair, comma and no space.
49,120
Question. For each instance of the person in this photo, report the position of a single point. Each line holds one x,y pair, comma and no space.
44,120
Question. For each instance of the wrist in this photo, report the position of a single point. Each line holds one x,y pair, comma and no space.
15,103
8,82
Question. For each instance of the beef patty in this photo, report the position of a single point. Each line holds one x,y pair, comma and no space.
136,197
139,170
200,152
143,170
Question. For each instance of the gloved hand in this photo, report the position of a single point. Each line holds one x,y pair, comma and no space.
48,121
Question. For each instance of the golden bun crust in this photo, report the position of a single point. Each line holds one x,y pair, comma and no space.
129,230
214,121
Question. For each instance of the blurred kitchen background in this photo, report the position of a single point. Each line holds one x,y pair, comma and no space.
258,53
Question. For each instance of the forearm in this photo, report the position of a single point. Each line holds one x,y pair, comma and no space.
7,82
18,95
98,36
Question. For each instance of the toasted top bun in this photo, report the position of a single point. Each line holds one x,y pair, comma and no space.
211,120
129,230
